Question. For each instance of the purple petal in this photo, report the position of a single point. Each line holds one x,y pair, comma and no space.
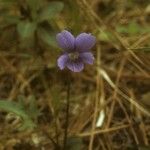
62,61
75,66
84,42
65,40
87,57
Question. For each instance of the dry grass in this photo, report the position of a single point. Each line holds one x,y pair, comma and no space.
115,88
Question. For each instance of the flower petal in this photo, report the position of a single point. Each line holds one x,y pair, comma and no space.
84,42
65,40
87,57
62,61
76,66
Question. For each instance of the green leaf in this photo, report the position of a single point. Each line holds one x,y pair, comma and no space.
33,111
105,36
122,29
132,28
26,29
19,110
48,37
34,4
52,9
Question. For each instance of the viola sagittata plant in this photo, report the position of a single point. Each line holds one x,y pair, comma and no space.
76,51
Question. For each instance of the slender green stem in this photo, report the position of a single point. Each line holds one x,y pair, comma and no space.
67,115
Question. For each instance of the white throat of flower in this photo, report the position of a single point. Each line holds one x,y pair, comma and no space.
73,55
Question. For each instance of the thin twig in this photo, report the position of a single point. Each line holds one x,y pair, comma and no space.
96,132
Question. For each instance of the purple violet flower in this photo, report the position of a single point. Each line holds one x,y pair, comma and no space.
76,50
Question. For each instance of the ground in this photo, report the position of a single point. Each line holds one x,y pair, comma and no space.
109,100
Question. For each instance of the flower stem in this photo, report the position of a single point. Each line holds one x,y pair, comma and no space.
67,115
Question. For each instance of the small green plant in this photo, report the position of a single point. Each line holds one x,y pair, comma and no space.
28,114
32,19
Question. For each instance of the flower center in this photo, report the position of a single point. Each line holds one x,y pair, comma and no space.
73,56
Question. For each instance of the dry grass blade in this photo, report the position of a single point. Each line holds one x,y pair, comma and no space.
132,101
